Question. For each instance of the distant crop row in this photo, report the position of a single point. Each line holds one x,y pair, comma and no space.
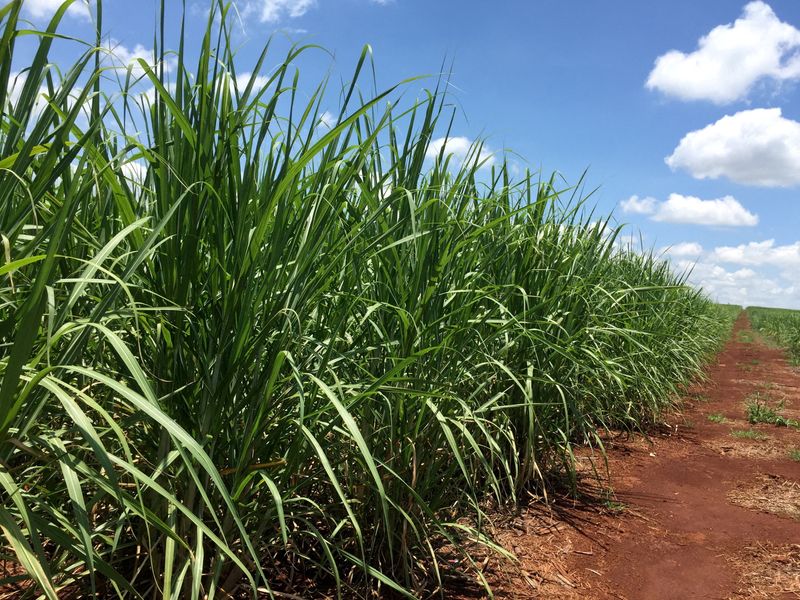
243,349
780,325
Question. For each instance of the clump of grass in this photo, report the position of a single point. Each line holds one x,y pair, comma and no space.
748,434
717,418
237,343
609,501
794,454
759,411
615,506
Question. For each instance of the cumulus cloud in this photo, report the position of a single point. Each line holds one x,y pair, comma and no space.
683,249
639,206
243,80
630,242
327,120
43,97
752,147
722,212
731,59
743,286
148,96
44,9
755,273
17,83
274,11
461,148
15,91
760,254
677,208
120,56
135,171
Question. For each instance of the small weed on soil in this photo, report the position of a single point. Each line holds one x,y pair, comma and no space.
717,418
759,411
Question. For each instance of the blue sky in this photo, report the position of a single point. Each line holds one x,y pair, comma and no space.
685,113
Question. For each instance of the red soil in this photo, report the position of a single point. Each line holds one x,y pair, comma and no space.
696,511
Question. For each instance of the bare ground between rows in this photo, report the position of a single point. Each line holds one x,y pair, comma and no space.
698,511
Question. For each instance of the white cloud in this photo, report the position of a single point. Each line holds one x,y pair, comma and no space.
294,30
274,11
135,170
764,253
720,212
461,148
243,80
743,286
683,249
639,206
42,9
752,147
731,59
763,274
17,83
42,98
148,96
327,120
120,56
633,241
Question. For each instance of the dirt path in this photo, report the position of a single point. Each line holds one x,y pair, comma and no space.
700,511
